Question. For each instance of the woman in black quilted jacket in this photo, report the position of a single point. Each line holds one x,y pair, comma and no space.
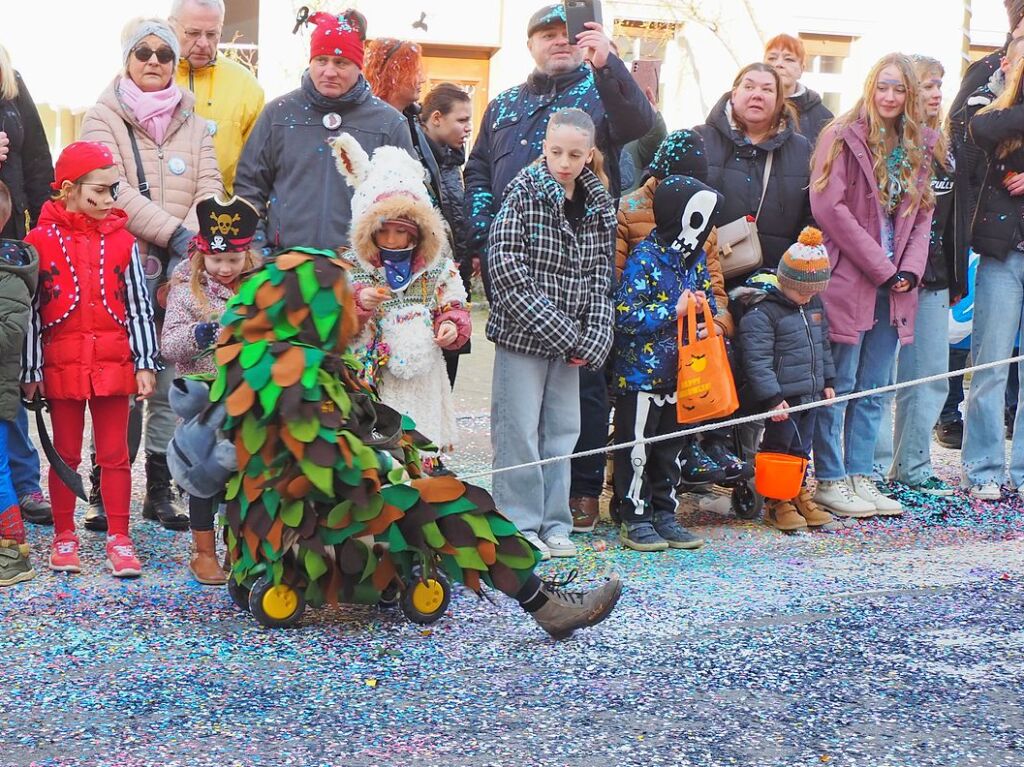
744,127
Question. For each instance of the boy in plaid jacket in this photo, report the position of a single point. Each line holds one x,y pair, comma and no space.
550,260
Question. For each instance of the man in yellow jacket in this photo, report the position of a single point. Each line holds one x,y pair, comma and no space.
228,97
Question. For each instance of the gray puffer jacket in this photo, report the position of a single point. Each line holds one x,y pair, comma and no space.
785,351
288,172
19,270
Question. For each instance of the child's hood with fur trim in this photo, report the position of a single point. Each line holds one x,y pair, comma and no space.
390,185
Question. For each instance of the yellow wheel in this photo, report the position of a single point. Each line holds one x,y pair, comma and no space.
276,606
426,599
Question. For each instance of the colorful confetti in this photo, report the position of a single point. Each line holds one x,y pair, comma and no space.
888,642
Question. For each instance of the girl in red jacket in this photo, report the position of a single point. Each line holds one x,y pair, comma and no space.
91,340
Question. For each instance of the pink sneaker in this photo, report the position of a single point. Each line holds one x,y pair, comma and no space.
64,553
121,557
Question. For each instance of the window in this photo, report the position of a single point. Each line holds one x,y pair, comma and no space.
241,31
638,40
826,54
981,51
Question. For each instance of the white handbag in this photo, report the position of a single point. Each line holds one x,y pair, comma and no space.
739,249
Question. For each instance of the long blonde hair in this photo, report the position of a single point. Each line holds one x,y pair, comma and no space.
8,82
924,66
909,137
1010,96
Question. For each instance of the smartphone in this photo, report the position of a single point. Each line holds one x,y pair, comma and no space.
579,12
647,73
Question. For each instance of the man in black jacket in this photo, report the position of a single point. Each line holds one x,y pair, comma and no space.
511,134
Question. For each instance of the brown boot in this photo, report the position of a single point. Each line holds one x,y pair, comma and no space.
782,515
813,514
204,565
585,512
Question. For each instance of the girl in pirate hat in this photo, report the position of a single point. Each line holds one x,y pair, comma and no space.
200,289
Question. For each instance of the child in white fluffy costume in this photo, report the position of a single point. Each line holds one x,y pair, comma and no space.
409,296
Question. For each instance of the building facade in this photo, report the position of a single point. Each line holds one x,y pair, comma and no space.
700,44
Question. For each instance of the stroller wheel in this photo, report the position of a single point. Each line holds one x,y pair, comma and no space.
425,599
239,594
389,597
273,606
746,503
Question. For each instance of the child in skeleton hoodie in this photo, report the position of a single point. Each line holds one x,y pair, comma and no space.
409,296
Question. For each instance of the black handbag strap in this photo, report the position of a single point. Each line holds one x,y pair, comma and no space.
140,174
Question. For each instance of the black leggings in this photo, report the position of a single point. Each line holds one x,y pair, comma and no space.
201,511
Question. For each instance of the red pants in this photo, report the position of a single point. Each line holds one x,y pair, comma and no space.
110,430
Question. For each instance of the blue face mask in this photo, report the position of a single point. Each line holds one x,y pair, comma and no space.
397,266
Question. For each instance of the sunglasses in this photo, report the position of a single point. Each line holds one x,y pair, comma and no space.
144,53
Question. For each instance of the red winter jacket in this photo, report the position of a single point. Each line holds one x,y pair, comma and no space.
93,324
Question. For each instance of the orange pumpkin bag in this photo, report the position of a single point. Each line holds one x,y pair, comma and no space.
704,386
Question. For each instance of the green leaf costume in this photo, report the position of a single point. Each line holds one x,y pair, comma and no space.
329,495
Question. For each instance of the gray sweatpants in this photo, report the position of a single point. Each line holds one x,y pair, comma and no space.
535,414
159,422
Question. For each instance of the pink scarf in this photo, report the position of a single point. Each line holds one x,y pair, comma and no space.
153,109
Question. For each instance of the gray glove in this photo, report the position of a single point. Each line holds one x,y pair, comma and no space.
179,242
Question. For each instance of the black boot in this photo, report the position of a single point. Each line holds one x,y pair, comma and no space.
95,515
160,502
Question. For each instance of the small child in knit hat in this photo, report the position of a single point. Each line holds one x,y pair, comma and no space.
786,360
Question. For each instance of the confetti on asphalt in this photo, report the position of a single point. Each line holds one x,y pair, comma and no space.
888,642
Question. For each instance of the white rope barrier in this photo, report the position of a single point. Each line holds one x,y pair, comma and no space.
745,419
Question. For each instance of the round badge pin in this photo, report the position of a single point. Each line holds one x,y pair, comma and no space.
176,165
211,127
332,121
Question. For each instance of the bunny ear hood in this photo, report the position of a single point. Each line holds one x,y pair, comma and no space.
351,159
390,185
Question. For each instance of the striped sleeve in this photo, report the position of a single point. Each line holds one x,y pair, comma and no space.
32,350
141,328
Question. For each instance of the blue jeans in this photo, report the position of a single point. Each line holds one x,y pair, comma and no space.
535,414
845,434
8,497
918,408
24,460
998,304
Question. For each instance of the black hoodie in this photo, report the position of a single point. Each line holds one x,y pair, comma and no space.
814,115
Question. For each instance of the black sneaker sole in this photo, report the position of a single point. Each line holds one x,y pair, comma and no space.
97,524
42,521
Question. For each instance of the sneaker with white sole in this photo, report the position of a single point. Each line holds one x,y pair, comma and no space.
868,491
987,491
560,546
121,557
933,486
837,497
537,543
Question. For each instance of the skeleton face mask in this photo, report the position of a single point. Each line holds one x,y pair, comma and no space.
684,211
696,222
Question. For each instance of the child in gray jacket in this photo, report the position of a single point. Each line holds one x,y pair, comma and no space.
787,361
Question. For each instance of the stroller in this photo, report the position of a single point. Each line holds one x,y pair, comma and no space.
374,567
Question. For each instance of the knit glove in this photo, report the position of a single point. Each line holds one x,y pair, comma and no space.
206,334
179,242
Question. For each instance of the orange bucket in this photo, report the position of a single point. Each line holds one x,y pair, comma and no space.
778,475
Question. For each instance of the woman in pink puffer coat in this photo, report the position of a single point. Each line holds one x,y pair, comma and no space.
144,114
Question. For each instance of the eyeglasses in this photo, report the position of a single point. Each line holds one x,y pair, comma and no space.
144,53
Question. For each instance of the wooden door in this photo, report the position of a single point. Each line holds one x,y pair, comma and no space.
468,68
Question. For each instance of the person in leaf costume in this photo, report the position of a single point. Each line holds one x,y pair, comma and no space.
329,495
